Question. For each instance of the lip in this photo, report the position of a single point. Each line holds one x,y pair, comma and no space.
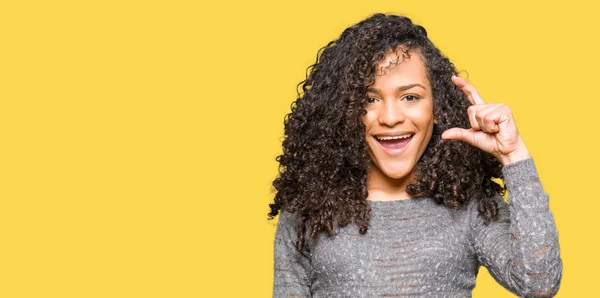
394,151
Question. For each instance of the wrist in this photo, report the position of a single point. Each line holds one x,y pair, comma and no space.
521,153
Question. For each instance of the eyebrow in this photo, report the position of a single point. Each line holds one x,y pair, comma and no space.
399,89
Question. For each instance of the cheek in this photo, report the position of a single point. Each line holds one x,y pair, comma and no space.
425,116
421,118
368,119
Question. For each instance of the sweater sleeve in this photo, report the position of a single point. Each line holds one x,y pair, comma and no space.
292,268
520,249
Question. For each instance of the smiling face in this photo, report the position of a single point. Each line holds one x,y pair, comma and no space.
399,119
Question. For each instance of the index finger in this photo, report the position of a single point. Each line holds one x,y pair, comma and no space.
468,89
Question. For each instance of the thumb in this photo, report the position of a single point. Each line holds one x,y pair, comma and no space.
466,135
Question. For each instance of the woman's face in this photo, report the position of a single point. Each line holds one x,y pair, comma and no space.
399,119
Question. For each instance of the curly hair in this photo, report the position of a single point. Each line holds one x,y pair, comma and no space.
323,168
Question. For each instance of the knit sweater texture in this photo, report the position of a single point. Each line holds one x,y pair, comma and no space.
419,248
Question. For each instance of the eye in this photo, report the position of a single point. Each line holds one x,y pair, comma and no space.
371,100
411,97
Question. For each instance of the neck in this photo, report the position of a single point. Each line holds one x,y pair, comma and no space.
384,188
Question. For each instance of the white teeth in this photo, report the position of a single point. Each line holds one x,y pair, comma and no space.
404,136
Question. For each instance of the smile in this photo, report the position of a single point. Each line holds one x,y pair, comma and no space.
394,144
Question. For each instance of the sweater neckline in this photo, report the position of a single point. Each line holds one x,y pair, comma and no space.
386,205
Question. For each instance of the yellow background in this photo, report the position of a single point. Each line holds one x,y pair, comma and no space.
139,138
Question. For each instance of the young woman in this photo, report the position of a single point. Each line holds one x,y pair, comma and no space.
385,185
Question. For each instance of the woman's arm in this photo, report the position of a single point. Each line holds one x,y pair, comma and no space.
520,249
292,268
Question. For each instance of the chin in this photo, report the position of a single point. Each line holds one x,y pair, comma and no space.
396,174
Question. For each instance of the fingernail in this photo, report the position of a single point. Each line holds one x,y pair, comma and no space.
456,74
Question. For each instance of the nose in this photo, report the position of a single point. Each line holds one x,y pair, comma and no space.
391,113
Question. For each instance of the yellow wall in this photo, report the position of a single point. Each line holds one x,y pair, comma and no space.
138,138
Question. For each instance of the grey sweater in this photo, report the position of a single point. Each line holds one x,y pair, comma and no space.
419,248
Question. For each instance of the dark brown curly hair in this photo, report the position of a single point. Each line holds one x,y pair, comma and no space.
323,168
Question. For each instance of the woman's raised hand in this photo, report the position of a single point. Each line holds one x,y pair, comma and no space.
493,127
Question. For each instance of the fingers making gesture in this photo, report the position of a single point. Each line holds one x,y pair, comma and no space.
493,127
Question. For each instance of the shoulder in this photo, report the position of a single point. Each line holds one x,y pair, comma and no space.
286,220
476,219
